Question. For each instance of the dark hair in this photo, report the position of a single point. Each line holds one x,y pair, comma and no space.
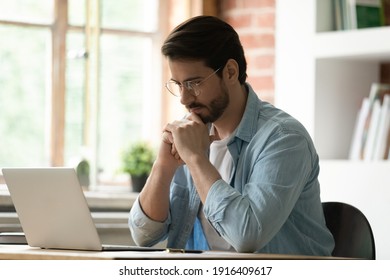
206,38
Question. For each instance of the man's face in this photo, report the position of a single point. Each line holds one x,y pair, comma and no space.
211,98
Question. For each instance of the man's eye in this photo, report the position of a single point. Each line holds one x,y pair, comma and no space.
189,84
194,83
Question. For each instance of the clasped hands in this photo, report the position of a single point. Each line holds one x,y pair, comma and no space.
187,137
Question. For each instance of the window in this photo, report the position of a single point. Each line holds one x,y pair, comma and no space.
103,99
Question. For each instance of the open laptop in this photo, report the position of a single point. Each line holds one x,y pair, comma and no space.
53,211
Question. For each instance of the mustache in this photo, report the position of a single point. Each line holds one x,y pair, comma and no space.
194,105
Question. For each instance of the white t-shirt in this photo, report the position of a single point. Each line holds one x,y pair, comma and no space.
223,162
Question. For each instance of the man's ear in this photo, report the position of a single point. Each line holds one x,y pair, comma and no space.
232,70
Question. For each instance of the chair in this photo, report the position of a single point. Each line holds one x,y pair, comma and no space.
351,231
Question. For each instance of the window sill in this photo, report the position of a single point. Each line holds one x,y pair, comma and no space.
115,199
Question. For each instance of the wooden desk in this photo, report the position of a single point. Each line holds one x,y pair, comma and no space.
24,252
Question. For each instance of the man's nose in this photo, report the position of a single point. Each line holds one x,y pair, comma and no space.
186,96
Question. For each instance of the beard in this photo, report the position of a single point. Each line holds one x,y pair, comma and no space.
216,108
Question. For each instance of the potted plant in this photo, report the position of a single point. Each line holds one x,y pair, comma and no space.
138,159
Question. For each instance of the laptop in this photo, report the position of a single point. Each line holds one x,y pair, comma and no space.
53,211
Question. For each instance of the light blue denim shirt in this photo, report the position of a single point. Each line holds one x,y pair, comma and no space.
271,203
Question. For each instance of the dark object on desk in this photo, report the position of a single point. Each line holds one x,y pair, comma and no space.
12,238
351,230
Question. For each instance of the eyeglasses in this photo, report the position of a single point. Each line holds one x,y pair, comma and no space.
193,87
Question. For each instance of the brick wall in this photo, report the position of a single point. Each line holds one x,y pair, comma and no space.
254,21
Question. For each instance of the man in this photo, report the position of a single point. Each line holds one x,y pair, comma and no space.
236,173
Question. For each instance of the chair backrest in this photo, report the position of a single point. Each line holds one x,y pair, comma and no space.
351,230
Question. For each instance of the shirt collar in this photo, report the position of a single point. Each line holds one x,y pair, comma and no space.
248,124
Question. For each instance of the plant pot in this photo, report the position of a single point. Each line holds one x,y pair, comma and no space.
138,182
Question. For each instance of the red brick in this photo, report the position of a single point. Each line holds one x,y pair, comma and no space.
226,5
264,20
263,62
258,41
254,20
261,83
239,21
257,3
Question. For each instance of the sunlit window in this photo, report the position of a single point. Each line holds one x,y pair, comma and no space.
109,101
23,95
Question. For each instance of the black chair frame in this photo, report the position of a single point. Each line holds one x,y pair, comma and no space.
351,230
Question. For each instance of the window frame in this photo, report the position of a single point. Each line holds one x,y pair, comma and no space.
59,28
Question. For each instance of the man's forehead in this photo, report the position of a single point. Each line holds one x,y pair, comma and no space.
183,70
186,62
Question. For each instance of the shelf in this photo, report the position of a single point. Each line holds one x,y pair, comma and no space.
360,44
321,78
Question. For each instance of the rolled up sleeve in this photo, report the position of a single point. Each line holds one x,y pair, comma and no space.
145,231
